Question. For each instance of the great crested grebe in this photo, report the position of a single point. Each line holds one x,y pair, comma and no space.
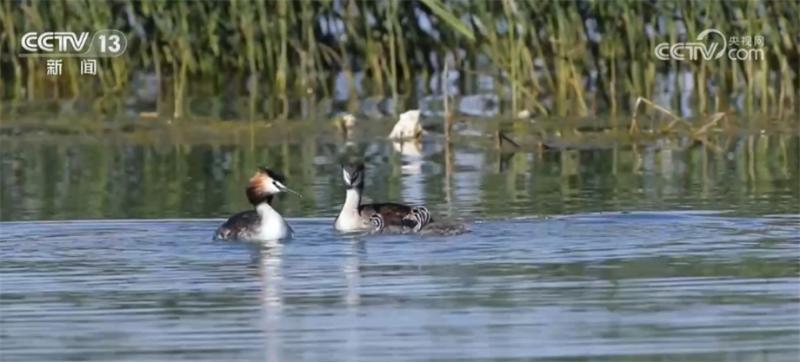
375,217
262,223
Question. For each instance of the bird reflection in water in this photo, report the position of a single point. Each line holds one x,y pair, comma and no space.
352,273
268,256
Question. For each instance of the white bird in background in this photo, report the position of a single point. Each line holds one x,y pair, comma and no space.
346,124
410,149
348,121
408,127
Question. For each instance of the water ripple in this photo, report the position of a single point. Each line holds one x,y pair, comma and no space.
608,286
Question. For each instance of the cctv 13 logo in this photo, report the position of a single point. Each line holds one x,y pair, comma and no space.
103,43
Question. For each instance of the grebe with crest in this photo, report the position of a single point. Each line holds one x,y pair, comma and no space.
375,217
263,222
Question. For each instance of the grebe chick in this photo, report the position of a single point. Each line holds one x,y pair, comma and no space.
262,223
375,217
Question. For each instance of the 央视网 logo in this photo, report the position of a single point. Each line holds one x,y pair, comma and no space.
707,47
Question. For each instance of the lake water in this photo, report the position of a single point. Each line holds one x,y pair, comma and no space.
612,252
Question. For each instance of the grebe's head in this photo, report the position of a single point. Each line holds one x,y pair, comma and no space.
265,184
353,175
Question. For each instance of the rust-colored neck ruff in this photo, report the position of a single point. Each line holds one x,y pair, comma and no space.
257,189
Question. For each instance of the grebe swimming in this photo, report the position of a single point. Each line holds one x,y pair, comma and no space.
375,217
262,223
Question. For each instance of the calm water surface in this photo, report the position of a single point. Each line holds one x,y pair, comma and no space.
610,253
640,285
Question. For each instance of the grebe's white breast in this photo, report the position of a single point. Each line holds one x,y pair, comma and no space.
272,226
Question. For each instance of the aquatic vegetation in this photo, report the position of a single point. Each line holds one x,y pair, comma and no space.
549,57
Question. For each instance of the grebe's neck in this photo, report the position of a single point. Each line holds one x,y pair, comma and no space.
352,199
349,219
266,211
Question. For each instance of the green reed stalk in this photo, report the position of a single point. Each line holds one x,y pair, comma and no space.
189,43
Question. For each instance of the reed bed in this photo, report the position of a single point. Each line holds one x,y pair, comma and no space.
585,57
